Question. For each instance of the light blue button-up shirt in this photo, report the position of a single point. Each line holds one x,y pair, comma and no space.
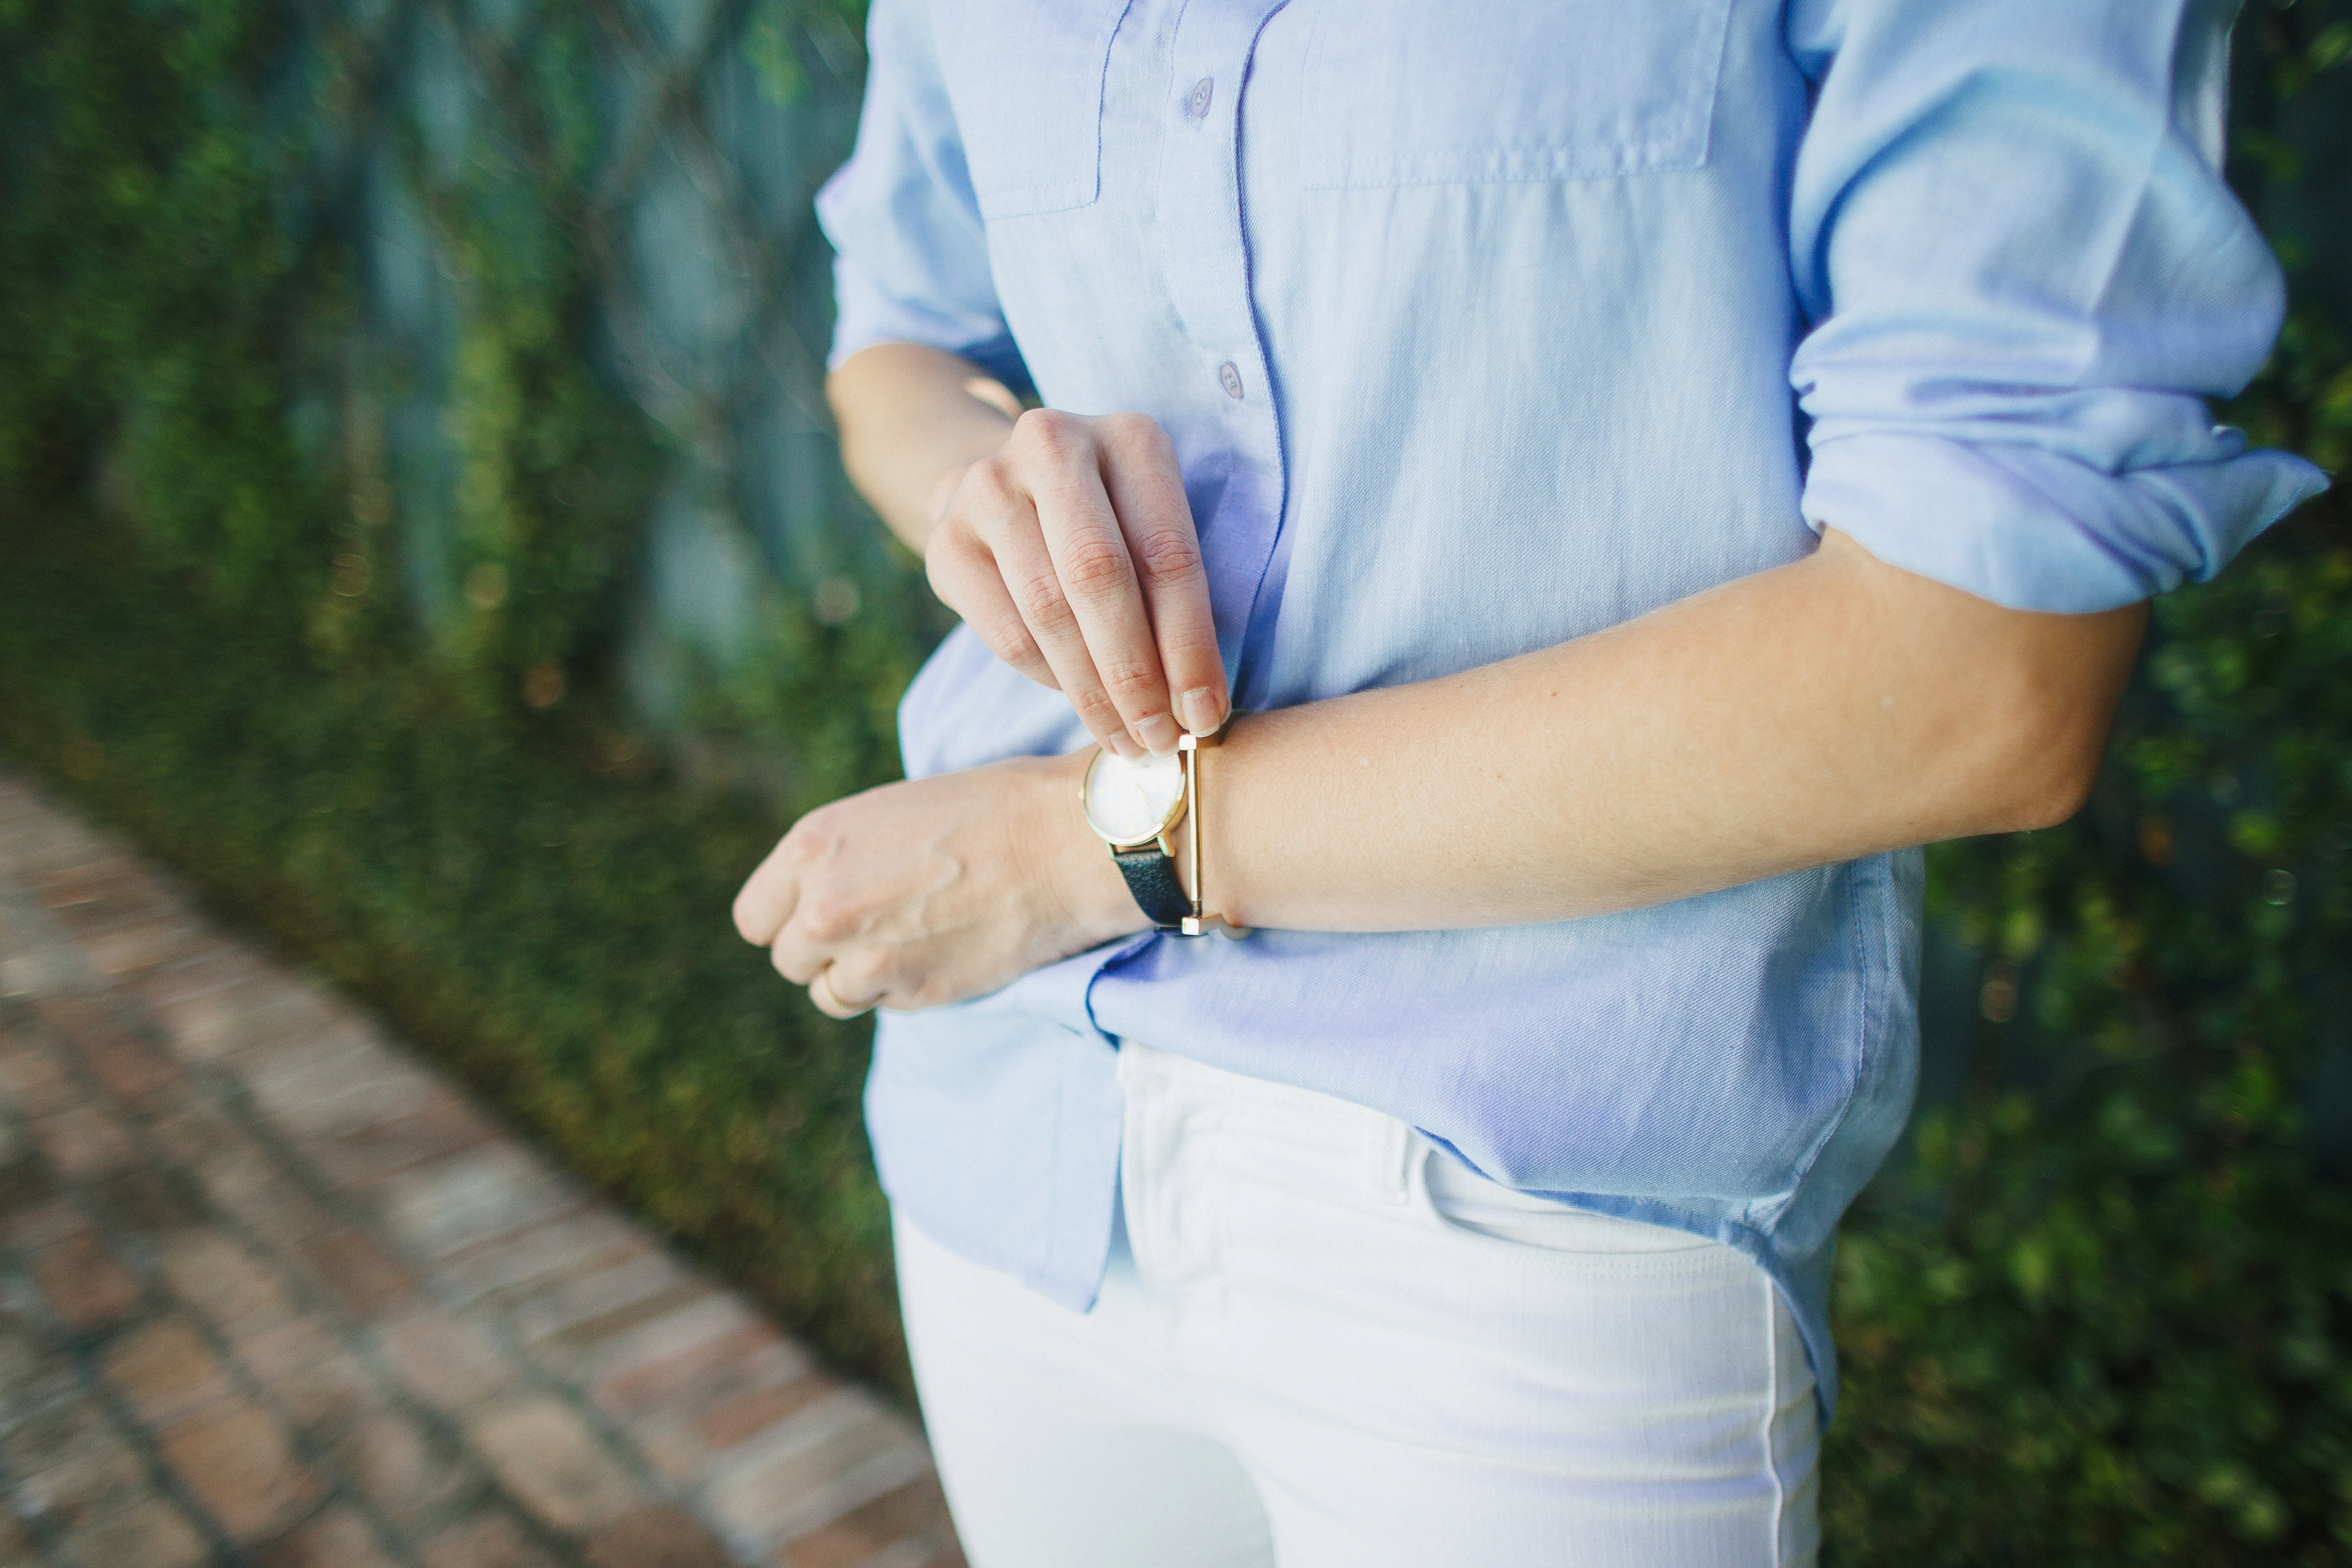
1481,328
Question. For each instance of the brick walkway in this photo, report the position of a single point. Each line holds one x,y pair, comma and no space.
273,1292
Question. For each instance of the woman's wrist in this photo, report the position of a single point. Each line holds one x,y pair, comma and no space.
1072,865
942,491
912,419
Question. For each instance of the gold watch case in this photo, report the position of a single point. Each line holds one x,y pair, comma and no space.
1200,922
1103,766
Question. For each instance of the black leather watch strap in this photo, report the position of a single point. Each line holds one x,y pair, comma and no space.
1152,877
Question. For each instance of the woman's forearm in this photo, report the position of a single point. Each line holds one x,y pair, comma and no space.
1820,711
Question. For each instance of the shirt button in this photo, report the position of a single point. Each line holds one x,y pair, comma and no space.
1196,102
1229,379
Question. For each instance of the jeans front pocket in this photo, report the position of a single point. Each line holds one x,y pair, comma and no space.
1026,78
1410,92
1463,1201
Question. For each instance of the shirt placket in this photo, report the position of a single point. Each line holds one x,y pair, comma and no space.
1203,230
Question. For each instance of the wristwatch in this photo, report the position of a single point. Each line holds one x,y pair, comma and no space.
1133,807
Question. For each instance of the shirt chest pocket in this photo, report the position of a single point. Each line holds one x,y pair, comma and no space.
1025,80
1412,92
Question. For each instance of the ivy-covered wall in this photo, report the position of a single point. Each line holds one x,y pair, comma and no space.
504,322
408,407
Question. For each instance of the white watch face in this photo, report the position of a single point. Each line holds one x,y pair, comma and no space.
1128,802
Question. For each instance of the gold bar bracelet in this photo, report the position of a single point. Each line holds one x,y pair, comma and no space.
1200,923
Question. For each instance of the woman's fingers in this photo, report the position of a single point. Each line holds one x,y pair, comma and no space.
827,1001
1147,490
964,573
989,560
858,982
842,981
766,900
1032,580
1072,554
1083,603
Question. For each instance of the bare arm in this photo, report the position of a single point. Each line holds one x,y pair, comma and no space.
1823,710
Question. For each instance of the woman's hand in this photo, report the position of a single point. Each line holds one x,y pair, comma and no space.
928,892
1071,553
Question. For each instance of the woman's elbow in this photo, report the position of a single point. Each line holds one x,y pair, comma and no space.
2055,723
2048,789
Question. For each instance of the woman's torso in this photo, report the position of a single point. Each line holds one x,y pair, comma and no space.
1472,335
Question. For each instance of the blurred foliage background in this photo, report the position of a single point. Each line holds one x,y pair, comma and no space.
419,523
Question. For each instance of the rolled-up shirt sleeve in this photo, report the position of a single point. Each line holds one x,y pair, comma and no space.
2025,277
911,254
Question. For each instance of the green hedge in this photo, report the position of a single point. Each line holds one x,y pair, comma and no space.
533,901
2099,1316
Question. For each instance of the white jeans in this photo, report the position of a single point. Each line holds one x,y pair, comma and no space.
1323,1343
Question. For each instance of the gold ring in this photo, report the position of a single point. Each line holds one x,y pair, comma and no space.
821,993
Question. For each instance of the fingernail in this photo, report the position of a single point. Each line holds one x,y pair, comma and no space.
1158,734
1200,709
1120,745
